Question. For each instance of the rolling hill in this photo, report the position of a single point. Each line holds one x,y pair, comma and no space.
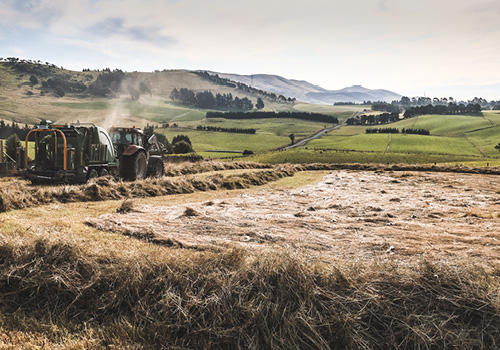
65,96
307,92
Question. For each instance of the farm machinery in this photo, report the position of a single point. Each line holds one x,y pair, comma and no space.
139,155
78,152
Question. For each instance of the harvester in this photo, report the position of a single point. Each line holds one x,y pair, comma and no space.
77,152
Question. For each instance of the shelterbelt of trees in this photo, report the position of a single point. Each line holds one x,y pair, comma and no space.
316,117
7,130
207,100
230,130
364,119
451,108
215,78
396,131
406,103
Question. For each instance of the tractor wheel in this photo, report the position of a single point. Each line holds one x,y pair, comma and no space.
103,172
133,167
92,174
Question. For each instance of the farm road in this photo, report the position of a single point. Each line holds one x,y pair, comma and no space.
316,135
312,137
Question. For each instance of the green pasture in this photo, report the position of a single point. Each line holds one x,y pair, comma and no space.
270,134
450,135
31,148
91,105
360,142
444,125
204,140
301,155
279,127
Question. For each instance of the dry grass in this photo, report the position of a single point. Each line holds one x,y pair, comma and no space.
65,285
18,194
186,168
233,300
401,167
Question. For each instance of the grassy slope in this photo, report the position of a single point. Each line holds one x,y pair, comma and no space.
270,134
453,139
16,105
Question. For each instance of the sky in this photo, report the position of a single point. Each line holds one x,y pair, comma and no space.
416,48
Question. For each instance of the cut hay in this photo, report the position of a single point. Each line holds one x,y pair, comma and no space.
18,194
126,207
230,300
189,168
190,212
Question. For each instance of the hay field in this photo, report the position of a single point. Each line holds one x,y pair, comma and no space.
323,259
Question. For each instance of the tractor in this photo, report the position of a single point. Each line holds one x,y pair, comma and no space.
140,156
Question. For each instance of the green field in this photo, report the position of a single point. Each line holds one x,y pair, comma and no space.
453,139
271,134
301,155
31,148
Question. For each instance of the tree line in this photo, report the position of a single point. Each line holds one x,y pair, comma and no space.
215,78
316,117
373,119
451,108
386,107
7,130
207,100
229,130
406,102
396,131
181,144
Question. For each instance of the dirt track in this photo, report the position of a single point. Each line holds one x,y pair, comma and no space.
351,215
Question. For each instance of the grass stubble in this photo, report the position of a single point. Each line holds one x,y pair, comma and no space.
67,293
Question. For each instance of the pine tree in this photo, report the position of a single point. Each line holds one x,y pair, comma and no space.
260,103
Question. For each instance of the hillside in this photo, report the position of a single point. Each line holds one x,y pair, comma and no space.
453,138
307,92
138,97
355,93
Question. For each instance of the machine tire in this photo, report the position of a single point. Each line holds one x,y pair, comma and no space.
92,174
133,167
103,172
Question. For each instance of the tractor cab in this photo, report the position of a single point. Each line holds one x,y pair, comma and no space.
127,140
139,155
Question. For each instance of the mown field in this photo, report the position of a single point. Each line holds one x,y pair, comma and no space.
452,139
68,283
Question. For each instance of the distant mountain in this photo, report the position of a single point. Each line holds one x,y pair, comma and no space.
355,93
307,92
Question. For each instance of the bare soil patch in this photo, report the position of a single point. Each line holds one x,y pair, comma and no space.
358,216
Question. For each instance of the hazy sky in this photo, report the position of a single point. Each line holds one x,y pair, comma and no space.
436,47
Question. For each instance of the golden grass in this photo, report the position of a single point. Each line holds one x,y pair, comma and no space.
18,194
233,300
64,285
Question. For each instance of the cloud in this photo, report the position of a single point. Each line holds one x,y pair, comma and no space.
29,13
382,5
485,6
26,5
116,26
